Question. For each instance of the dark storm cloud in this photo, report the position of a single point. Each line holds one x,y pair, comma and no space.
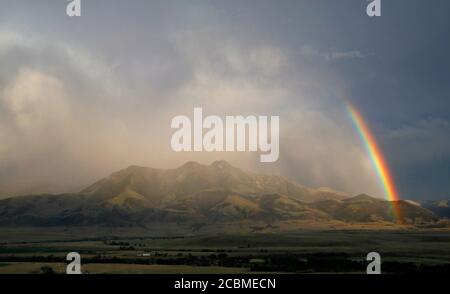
107,84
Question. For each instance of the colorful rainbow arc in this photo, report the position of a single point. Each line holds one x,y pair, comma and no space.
377,158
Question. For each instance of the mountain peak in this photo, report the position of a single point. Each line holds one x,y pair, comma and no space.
190,164
158,186
134,167
221,164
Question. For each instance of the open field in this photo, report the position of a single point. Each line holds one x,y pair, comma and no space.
295,251
98,268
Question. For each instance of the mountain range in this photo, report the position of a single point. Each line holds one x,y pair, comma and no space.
201,194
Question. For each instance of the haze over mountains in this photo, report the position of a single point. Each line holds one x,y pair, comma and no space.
199,194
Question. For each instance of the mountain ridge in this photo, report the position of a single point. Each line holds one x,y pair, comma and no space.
197,193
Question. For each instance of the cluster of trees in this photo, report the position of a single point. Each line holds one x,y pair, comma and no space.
322,262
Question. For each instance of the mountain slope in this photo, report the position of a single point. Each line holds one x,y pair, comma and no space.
159,186
363,208
195,193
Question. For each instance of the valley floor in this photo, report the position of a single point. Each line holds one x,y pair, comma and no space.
138,250
99,268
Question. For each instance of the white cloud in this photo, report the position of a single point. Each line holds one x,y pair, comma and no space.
34,98
332,54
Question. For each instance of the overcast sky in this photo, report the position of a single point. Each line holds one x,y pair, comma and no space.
83,97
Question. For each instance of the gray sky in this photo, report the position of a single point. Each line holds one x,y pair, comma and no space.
82,97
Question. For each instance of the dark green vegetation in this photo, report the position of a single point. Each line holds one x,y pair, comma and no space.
319,251
203,195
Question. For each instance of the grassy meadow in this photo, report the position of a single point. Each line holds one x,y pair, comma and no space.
25,250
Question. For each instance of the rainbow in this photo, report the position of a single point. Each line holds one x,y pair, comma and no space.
379,163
